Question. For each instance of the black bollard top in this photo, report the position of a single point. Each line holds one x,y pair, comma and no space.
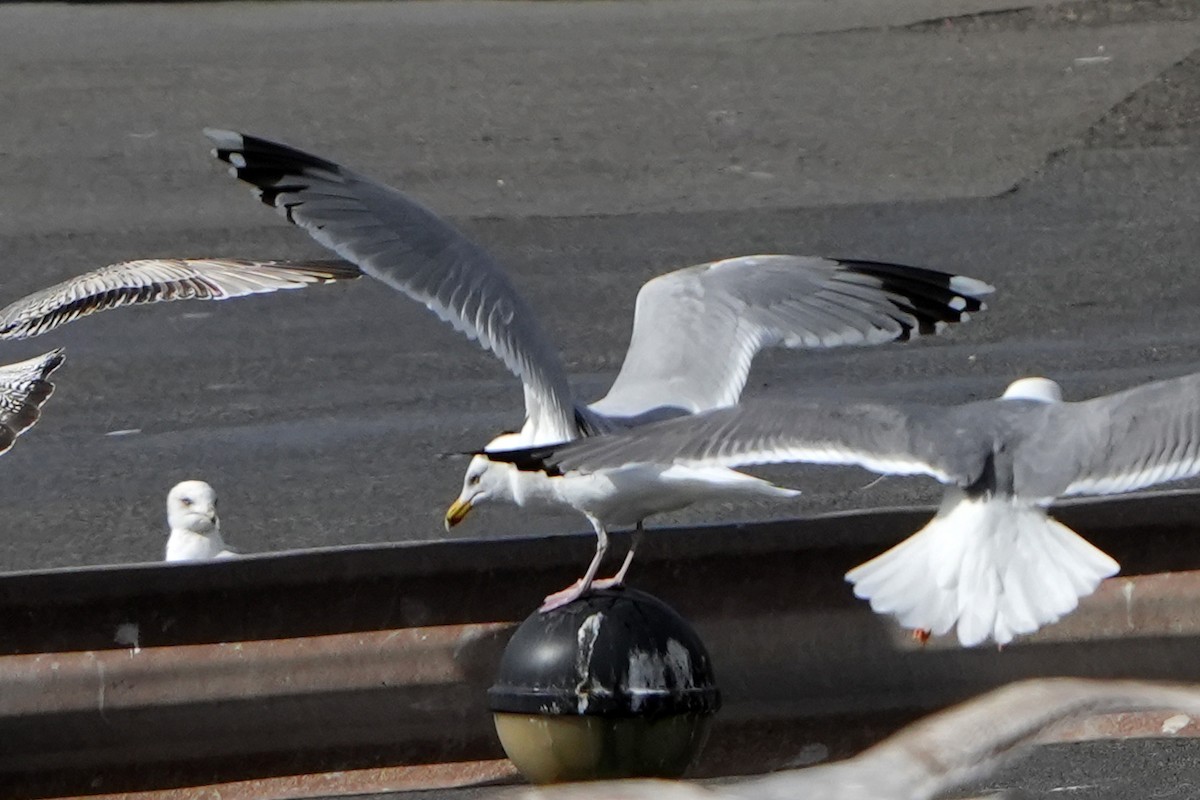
612,653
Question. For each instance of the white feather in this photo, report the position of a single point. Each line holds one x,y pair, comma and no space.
995,568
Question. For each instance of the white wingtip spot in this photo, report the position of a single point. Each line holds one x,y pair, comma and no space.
958,303
238,160
970,286
232,172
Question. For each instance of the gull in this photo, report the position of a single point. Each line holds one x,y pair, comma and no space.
938,756
24,388
195,528
695,331
155,280
991,562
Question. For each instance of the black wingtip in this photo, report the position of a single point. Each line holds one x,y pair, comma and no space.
271,167
528,459
933,298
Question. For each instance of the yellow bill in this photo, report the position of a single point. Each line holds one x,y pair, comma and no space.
457,512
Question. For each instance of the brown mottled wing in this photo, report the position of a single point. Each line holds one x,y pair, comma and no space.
156,280
24,387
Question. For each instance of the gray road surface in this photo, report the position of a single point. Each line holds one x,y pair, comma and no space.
590,146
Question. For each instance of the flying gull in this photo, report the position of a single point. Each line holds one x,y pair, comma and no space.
24,388
156,280
195,528
695,330
991,562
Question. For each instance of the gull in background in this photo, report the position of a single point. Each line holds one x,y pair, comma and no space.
156,280
991,562
24,388
195,528
695,331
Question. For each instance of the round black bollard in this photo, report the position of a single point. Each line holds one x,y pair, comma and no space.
613,685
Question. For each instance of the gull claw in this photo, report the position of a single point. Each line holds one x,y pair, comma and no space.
562,598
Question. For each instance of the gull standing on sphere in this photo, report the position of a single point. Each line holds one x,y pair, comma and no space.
991,562
695,331
195,528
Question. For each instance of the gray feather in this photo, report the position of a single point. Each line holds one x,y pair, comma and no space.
696,330
398,241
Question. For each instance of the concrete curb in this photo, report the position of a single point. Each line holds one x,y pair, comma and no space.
374,662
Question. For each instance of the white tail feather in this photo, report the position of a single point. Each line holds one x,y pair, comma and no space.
994,567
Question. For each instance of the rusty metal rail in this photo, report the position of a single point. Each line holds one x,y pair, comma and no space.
365,668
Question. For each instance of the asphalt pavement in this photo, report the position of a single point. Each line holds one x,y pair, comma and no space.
590,146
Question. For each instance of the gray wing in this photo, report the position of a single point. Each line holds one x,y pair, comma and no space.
696,330
891,440
1121,442
24,387
396,240
156,280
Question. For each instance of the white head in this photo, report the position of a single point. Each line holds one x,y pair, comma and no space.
192,506
1043,390
486,480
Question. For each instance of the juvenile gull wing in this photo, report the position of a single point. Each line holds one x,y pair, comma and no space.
1125,441
892,440
155,280
24,387
696,330
393,238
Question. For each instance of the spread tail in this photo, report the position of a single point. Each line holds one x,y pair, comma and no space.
994,568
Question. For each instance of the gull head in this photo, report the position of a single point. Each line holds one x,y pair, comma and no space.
1042,390
485,480
192,506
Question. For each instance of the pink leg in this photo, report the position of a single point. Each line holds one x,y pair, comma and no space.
619,578
581,586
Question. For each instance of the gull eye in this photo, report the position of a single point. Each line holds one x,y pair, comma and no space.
187,501
474,479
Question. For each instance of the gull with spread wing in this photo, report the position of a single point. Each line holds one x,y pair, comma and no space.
157,280
695,330
991,562
24,386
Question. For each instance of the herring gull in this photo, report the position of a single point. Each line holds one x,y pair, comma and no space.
992,563
195,527
695,330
